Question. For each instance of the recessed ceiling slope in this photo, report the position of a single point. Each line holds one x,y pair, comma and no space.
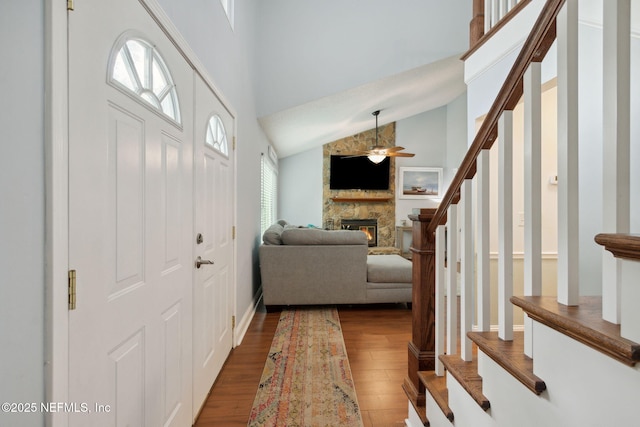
403,95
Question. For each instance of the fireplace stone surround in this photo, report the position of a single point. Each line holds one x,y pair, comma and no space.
361,204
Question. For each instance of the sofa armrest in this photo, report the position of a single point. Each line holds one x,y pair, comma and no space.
303,275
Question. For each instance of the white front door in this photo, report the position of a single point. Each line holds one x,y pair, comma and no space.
130,220
214,283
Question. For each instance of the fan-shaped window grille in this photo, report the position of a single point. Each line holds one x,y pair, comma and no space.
139,69
217,136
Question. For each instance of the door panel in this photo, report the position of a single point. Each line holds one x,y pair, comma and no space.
213,284
130,227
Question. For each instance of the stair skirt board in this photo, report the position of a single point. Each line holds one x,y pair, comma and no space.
584,387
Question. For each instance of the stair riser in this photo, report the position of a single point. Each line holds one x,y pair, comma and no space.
436,416
594,388
466,411
513,404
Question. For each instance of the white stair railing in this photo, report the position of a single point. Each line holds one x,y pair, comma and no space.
467,270
483,249
495,10
532,191
568,231
452,279
505,226
617,143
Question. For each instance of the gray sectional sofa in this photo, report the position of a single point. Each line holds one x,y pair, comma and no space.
310,266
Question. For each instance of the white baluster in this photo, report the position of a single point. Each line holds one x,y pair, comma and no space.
504,8
467,277
483,240
488,4
532,191
505,226
452,279
568,217
616,139
440,300
495,12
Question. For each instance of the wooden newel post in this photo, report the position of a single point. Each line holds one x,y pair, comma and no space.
422,345
476,26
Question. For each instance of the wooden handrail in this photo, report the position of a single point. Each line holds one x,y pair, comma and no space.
534,49
626,246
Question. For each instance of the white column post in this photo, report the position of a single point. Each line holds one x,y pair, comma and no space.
616,144
452,279
505,225
568,209
467,278
532,192
440,303
483,187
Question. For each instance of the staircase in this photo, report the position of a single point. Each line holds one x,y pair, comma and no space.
517,336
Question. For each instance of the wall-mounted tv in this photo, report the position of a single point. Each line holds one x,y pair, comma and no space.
358,173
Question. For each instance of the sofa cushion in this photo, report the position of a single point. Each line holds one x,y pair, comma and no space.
388,269
273,235
314,236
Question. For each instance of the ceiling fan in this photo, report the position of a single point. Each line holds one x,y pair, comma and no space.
377,153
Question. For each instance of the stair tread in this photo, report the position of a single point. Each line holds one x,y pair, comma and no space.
466,373
583,323
437,386
510,355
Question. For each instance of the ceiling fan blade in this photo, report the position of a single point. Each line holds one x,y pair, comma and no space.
394,149
400,154
349,156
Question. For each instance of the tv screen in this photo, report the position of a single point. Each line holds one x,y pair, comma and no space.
358,173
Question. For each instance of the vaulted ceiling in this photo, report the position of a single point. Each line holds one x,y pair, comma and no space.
322,67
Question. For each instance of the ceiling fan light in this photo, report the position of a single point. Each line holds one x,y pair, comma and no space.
376,158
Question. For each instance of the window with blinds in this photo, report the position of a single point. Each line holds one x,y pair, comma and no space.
268,194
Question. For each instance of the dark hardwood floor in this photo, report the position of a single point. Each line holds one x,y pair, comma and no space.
376,339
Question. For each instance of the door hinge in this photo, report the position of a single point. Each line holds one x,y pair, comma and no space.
233,232
69,4
234,143
72,289
233,322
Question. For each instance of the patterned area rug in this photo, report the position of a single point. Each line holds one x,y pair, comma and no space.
306,380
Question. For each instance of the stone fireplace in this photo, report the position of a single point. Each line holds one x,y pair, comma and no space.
368,226
348,205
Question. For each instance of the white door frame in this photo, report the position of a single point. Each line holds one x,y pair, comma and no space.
56,372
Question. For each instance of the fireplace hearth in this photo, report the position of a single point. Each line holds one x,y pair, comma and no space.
368,226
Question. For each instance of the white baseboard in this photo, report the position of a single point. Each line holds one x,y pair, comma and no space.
243,325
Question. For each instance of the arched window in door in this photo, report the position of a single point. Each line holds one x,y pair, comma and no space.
138,68
217,136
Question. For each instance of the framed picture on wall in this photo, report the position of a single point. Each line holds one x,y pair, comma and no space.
420,183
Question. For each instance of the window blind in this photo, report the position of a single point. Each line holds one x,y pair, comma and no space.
268,194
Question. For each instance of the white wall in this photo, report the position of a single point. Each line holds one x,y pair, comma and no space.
590,181
227,55
635,131
549,192
22,215
436,137
456,136
425,135
311,49
300,188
